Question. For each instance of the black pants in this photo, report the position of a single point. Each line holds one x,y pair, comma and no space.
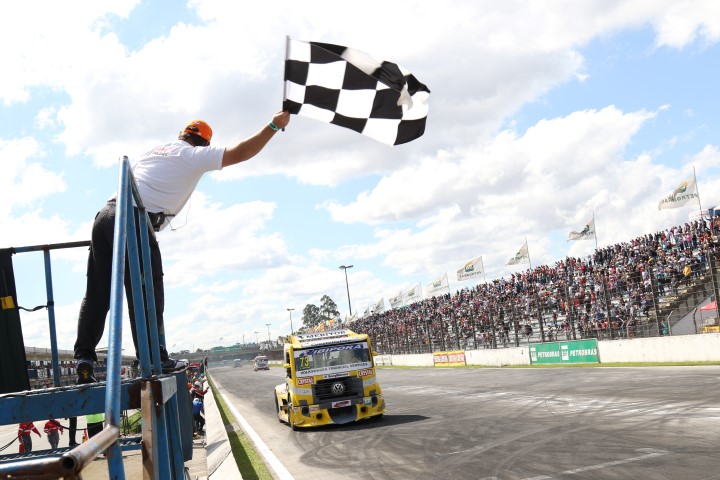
94,428
72,431
198,422
96,304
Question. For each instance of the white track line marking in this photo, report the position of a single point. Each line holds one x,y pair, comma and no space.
281,472
651,452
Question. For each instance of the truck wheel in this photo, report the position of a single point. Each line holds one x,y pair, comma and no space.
277,409
292,425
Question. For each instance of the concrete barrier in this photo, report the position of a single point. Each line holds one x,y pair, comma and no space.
221,463
683,348
498,357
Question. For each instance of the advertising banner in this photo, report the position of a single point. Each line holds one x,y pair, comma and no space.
455,358
472,269
576,351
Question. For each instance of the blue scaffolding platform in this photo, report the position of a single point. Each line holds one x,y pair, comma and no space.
163,400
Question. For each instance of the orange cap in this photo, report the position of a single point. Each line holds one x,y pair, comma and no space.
199,128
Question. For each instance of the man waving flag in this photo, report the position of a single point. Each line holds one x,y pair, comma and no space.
349,88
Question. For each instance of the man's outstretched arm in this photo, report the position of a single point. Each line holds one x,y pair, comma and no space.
251,146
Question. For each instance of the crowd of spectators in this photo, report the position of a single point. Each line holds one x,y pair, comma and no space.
565,300
40,372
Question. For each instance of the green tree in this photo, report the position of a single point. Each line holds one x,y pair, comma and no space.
311,316
328,308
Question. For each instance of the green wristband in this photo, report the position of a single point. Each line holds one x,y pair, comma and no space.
273,127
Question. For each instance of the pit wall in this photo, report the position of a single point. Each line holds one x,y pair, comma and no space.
685,348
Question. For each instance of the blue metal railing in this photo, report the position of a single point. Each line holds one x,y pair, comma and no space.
161,415
50,301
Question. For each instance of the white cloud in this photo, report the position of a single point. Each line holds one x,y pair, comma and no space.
51,41
24,184
219,239
707,159
682,23
473,185
558,153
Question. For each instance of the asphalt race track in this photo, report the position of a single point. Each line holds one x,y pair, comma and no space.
505,424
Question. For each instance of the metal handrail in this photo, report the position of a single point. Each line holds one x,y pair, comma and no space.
165,431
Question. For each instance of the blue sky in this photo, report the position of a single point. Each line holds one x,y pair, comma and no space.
540,114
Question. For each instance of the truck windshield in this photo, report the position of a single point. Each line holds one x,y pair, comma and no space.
331,358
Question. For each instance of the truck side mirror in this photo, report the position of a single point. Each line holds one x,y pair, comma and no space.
286,366
375,354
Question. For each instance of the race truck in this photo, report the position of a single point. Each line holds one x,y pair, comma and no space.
330,379
260,363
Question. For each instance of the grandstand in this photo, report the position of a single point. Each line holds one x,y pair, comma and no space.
40,371
649,286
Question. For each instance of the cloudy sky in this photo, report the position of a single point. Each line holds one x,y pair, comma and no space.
541,113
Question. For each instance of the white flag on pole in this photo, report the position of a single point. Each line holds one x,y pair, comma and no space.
412,294
522,256
683,193
439,286
396,301
587,233
473,268
379,307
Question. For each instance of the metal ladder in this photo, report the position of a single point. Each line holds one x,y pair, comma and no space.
166,440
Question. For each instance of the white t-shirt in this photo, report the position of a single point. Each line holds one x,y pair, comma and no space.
167,175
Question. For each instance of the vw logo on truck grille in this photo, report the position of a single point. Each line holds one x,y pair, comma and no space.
337,388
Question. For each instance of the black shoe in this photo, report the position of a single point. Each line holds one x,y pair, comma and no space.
170,365
73,444
85,373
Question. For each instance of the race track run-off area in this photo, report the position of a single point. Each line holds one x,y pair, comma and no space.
505,424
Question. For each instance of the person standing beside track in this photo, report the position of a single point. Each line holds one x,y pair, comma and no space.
24,431
198,410
166,177
198,392
53,430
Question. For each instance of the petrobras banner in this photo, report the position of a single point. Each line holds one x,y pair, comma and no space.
413,294
684,193
438,287
473,268
574,351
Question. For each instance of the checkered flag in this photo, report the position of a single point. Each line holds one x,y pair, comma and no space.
347,87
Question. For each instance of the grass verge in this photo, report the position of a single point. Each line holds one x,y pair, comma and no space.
133,424
249,462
